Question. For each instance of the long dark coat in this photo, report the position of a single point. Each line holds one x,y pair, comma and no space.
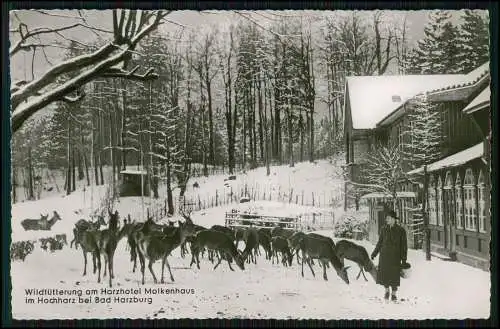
393,249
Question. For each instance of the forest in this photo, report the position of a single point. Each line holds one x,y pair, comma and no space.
267,89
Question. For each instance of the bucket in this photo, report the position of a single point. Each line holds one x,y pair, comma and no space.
405,271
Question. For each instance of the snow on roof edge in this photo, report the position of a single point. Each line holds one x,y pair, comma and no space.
453,160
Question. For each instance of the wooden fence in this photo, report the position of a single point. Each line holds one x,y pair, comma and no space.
235,219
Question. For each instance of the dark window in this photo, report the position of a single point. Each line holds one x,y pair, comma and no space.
439,235
479,245
465,241
457,240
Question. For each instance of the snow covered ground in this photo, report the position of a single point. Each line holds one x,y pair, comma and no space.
435,289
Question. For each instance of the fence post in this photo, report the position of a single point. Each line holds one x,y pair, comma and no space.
216,198
199,202
313,198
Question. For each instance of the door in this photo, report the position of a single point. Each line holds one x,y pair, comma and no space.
449,219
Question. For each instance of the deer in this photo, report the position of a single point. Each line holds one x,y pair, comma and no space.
280,245
197,228
41,224
99,242
294,243
113,220
265,241
135,228
314,248
158,245
251,238
218,242
83,225
283,232
349,250
327,239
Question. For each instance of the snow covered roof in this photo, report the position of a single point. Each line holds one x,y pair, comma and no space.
375,195
133,172
372,98
468,79
482,99
454,160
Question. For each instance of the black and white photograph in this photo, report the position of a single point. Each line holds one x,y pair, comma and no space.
250,164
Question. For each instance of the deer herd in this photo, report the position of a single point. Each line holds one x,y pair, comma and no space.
152,242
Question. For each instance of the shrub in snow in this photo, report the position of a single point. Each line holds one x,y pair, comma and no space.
19,250
347,225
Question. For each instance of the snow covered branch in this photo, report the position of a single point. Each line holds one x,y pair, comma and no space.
128,31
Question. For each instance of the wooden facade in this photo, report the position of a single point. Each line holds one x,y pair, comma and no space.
459,211
458,195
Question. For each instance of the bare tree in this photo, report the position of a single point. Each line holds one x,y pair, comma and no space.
129,28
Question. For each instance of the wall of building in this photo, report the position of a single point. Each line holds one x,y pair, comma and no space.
464,226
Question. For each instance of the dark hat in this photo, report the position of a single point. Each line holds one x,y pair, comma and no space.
392,214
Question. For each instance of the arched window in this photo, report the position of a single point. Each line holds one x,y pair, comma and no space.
431,201
448,181
459,203
439,201
470,200
482,204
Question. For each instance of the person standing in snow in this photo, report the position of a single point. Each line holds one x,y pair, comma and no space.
393,249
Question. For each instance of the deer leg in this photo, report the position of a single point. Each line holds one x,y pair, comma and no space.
143,265
105,264
309,261
324,271
98,255
110,270
364,276
229,263
111,267
220,260
169,270
162,268
94,262
85,263
150,266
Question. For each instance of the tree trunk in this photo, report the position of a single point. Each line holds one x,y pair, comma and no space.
266,134
211,138
68,175
425,215
81,157
301,132
73,169
290,135
170,200
31,194
261,131
123,123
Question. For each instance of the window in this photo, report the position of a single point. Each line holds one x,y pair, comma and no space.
439,201
432,202
482,203
459,203
470,201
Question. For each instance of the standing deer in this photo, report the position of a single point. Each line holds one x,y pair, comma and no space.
41,224
265,241
220,243
349,250
83,225
145,228
158,245
294,243
280,245
314,248
251,238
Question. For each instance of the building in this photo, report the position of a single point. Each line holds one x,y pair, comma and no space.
459,184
